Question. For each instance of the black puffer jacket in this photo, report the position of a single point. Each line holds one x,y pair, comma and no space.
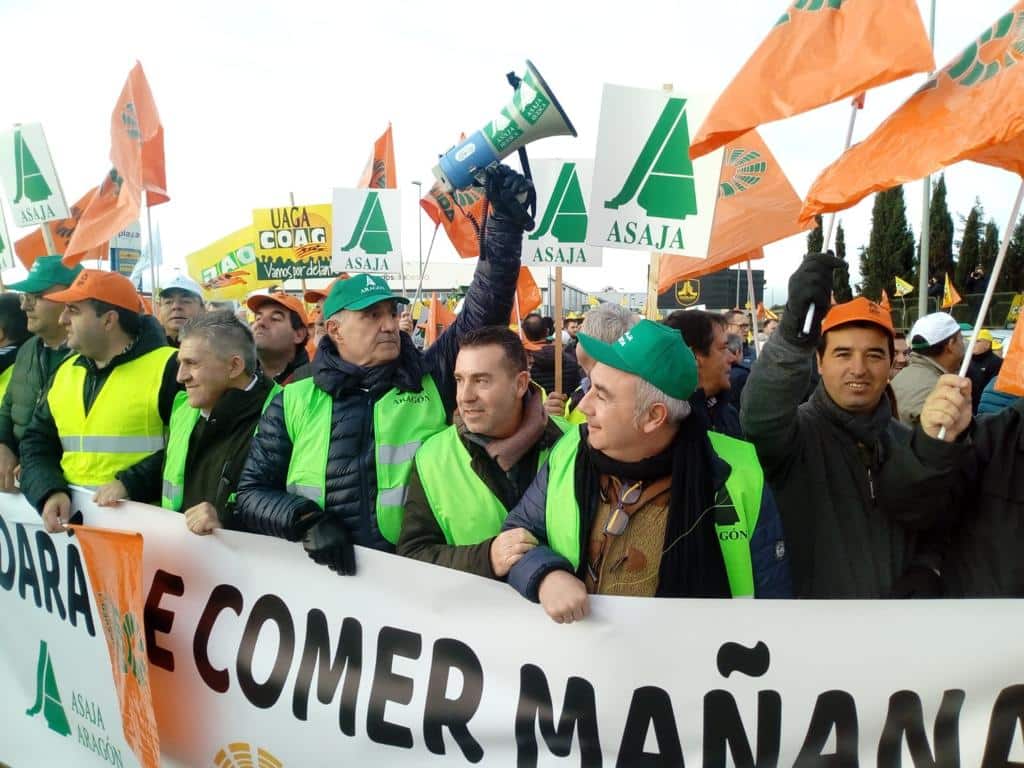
351,484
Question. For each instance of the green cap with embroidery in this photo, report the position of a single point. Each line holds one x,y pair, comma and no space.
359,292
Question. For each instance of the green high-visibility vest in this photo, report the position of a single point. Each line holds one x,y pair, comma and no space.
183,420
5,380
401,422
465,508
744,487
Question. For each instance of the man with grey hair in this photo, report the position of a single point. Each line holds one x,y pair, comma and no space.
605,322
643,500
212,421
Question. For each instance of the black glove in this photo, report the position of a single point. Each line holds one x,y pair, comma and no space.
918,582
328,543
511,195
810,284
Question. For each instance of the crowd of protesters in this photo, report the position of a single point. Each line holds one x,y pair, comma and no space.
676,459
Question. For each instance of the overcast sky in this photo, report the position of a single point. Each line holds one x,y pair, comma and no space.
260,99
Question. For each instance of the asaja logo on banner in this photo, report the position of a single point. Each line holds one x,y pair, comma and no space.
371,232
367,225
48,699
565,220
240,754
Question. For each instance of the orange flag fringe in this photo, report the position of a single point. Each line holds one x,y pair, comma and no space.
1011,374
114,563
31,247
439,317
380,168
972,109
818,52
949,295
137,152
756,205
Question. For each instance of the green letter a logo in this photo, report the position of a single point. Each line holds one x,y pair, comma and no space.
663,173
31,183
47,695
371,232
566,213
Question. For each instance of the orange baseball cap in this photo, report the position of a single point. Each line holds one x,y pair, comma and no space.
860,310
291,303
100,285
316,295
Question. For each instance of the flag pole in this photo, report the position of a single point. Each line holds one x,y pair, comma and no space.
809,319
926,221
753,309
558,330
991,289
152,257
423,267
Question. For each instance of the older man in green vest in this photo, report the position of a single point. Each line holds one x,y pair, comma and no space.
643,500
467,477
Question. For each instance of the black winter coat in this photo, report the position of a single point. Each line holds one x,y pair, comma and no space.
351,484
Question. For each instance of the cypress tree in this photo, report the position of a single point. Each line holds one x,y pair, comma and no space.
940,236
815,238
841,277
890,250
989,247
970,245
1012,276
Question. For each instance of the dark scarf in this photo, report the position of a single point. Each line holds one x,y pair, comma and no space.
337,377
691,563
869,430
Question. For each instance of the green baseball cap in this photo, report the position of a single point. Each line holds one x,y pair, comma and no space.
47,272
654,352
359,292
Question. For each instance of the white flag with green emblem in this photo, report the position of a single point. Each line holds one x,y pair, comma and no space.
6,246
29,177
367,230
647,194
560,237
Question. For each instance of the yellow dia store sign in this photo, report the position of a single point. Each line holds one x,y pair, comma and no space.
292,242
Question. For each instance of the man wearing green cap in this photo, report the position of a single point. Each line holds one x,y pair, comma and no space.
331,460
37,358
643,500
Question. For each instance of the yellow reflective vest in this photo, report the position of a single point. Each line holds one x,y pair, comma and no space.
122,427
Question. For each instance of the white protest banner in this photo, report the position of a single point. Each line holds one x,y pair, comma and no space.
6,246
367,230
254,651
647,194
29,177
559,239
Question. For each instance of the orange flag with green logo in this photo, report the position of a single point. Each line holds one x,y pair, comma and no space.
380,168
972,109
31,247
137,153
756,205
818,52
114,562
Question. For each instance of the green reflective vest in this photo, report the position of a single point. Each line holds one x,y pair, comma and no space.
5,380
183,420
401,422
734,522
465,508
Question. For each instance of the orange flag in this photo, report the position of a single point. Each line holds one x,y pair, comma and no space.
819,51
764,314
380,168
460,213
1011,374
528,297
31,247
756,205
114,563
438,318
949,295
941,123
137,152
884,302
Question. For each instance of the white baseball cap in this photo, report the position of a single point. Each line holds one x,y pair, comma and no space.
933,329
180,282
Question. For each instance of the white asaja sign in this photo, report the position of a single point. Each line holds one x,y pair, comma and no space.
6,246
560,237
29,177
647,194
367,231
